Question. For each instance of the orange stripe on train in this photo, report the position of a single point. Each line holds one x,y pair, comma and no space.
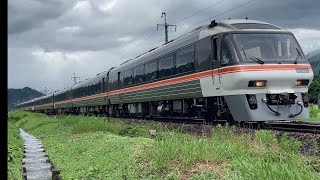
196,76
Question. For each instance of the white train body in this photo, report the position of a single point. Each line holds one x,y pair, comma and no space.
243,70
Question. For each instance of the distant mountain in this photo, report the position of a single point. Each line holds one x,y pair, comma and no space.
314,59
16,96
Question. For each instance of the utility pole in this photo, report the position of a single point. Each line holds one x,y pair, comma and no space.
166,25
45,90
75,78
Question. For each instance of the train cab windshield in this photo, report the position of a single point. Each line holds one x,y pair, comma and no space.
264,48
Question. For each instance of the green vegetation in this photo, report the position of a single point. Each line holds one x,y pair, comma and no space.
14,147
314,112
314,90
100,148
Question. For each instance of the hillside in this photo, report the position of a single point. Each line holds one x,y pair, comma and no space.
314,58
20,95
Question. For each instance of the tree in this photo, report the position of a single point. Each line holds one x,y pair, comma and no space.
314,90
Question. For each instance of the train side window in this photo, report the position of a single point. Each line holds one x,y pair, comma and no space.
103,85
185,60
151,70
120,80
203,54
227,55
127,78
138,74
214,50
110,84
92,89
98,87
166,67
85,91
114,81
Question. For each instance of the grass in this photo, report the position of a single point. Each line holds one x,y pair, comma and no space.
314,113
14,146
99,148
231,155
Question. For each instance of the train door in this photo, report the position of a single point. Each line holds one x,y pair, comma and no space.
215,64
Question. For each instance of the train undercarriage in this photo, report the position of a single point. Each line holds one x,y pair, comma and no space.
247,107
213,108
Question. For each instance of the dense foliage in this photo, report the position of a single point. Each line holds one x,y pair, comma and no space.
314,90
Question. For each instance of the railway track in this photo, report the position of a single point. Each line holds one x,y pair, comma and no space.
287,126
293,126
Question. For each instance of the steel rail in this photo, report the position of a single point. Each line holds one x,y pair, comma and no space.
287,126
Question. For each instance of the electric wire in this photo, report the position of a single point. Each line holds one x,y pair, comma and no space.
149,29
183,18
148,36
234,8
200,11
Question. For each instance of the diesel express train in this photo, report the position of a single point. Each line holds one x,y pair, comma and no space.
240,70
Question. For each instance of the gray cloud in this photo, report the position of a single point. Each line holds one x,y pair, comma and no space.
49,40
25,15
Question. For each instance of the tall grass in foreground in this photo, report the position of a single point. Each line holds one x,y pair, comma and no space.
15,144
229,155
100,148
314,112
14,152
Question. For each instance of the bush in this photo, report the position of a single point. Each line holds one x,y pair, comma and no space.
314,111
15,116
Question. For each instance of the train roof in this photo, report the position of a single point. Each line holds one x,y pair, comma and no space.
47,96
200,32
62,91
92,80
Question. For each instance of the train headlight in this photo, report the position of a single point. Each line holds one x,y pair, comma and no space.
302,82
259,83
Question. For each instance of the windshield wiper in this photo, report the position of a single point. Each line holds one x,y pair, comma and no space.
253,57
299,54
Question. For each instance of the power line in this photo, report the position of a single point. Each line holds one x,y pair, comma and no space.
200,11
241,5
147,37
148,30
229,10
178,6
166,27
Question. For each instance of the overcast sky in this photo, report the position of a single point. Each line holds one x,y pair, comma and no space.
48,40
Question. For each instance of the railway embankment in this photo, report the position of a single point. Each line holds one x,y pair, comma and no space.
101,148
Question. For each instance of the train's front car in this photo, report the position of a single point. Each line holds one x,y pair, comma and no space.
263,72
